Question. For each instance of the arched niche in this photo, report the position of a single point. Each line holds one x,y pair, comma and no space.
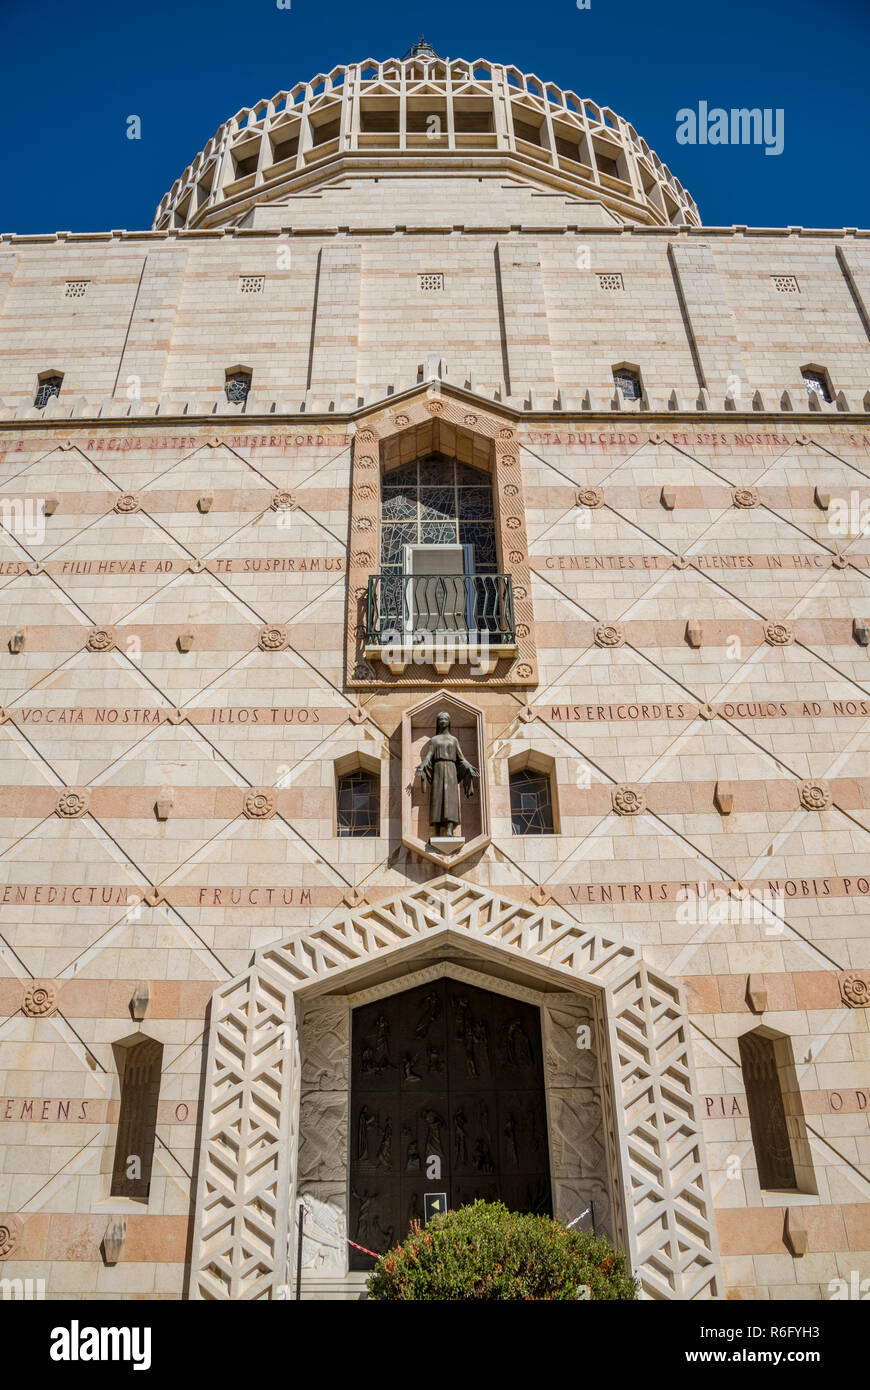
469,726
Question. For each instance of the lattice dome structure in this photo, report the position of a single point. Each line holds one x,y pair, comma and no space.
425,114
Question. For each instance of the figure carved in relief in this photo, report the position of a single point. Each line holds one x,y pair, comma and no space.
482,1158
460,1142
408,1072
385,1152
445,767
481,1039
469,1032
382,1044
431,1014
510,1131
413,1160
381,1239
462,1017
519,1049
434,1121
364,1124
364,1219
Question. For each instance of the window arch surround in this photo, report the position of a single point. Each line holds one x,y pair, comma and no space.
416,427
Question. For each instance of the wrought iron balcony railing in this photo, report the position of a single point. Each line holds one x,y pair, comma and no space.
419,609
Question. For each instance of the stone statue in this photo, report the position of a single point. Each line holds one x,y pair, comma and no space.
444,767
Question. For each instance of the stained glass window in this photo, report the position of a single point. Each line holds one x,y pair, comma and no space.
238,384
531,803
437,501
49,386
627,384
358,808
817,385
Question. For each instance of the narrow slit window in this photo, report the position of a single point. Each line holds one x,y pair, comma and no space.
139,1068
770,1138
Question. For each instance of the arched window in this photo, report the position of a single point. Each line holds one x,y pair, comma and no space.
628,383
817,382
532,801
139,1063
770,1137
49,385
358,798
437,501
238,385
439,556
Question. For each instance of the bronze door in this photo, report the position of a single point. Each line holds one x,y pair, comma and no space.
452,1074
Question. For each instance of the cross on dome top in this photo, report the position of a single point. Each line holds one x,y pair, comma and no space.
421,49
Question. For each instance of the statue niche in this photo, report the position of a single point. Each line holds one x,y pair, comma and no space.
446,768
445,812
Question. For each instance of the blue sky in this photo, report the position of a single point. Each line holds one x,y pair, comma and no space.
74,72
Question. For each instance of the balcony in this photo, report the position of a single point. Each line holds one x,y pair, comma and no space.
440,620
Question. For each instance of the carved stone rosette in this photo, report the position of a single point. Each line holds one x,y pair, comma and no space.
260,803
127,502
609,635
855,990
101,639
777,634
71,804
628,801
745,497
590,497
283,502
273,638
815,796
40,998
10,1235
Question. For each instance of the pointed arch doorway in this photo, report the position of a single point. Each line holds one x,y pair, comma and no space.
276,1098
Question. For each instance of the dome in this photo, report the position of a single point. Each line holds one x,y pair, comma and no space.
424,114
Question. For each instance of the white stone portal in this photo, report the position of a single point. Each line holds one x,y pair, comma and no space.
275,1114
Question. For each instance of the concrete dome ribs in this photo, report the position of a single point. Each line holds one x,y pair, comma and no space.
424,114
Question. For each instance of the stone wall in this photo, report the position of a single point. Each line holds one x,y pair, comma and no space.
761,912
341,315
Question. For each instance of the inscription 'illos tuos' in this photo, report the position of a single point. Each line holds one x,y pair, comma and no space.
245,714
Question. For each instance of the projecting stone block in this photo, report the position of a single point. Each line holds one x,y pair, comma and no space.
723,798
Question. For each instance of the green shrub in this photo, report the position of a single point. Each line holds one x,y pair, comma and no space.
486,1251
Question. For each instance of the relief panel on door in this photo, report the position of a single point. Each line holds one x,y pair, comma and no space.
445,1077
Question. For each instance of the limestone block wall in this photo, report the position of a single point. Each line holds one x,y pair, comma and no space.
341,316
761,912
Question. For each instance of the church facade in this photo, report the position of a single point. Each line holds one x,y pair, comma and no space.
435,709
